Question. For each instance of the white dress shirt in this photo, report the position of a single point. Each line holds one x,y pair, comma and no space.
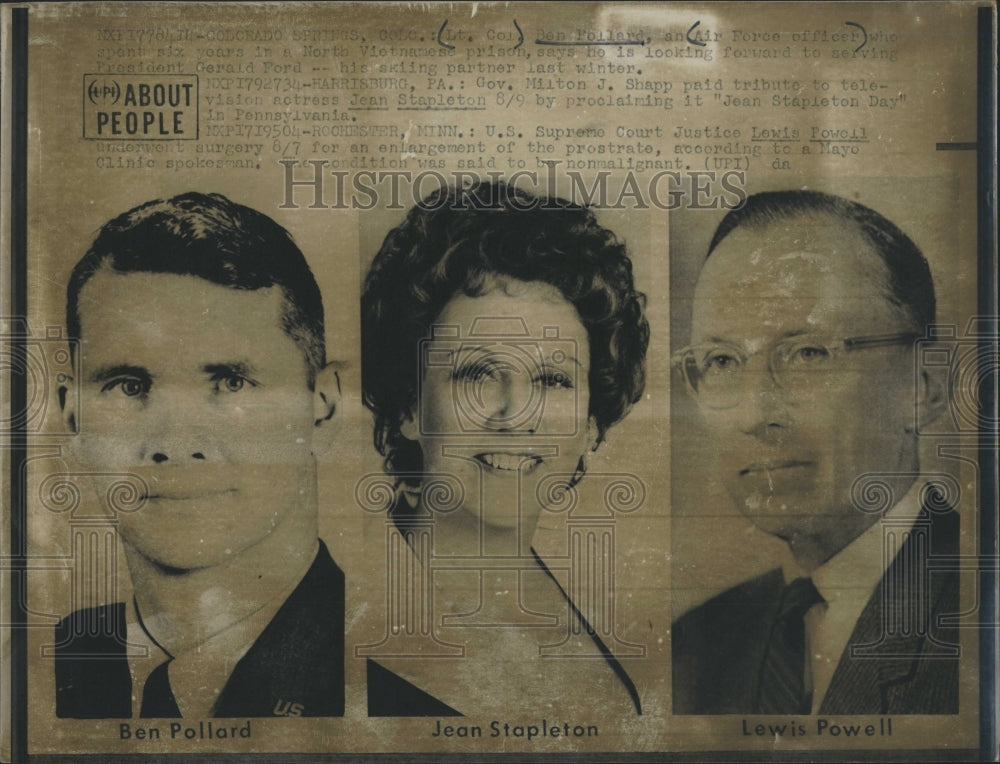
846,582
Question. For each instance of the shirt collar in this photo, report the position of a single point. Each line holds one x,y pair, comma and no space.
198,675
861,562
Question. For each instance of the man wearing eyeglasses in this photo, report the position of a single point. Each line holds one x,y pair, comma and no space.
802,366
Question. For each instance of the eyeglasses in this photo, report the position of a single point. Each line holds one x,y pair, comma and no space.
714,371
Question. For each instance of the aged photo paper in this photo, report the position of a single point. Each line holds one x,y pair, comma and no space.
606,381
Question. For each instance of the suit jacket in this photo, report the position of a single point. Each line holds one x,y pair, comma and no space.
295,667
719,646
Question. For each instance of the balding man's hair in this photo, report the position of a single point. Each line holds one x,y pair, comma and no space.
910,285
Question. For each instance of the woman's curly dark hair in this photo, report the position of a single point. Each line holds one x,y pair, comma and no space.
457,240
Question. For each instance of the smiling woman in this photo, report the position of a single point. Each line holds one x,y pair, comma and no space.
502,337
516,407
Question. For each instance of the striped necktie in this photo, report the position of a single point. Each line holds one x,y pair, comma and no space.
781,687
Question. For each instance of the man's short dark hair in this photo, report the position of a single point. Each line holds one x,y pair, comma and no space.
457,241
213,238
910,286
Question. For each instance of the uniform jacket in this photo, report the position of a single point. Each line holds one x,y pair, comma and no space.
295,667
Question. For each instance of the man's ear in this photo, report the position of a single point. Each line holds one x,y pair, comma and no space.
932,394
67,405
327,395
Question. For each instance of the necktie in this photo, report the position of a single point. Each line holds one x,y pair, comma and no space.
781,689
157,698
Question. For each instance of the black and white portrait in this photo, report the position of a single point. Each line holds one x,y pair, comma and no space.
204,385
504,338
805,401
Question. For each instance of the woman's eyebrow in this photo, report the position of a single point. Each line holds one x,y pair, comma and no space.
466,350
546,357
567,356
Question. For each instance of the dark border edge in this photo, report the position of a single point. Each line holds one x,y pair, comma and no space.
18,381
987,294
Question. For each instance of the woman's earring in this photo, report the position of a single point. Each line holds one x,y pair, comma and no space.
581,470
411,494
